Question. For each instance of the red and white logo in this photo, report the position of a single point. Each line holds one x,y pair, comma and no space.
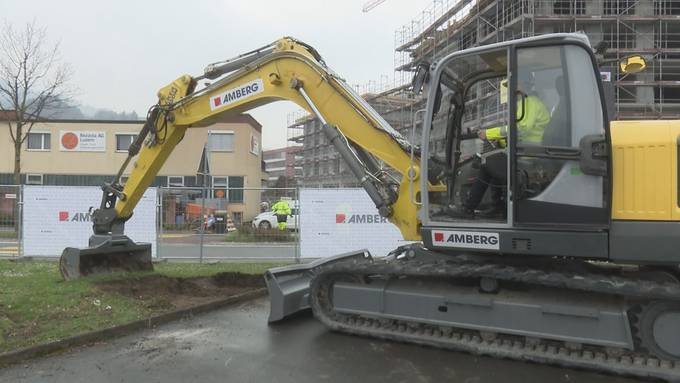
466,239
237,94
344,214
69,140
65,216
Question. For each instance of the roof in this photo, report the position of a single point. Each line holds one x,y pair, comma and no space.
237,119
244,118
10,115
554,37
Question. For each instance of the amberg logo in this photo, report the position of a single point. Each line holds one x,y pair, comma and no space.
343,215
64,216
467,239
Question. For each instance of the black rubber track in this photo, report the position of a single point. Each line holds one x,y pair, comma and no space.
638,363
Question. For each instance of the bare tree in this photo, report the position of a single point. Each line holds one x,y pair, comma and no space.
34,82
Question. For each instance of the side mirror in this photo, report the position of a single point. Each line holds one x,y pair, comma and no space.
633,64
420,78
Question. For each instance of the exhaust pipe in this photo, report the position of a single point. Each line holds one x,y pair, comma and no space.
106,254
289,285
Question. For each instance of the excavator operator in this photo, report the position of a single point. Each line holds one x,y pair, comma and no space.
532,118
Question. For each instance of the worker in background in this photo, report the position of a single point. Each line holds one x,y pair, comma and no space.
282,211
210,226
532,118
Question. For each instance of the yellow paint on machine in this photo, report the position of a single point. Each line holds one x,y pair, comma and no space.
645,167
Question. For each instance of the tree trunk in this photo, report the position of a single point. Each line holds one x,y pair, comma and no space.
17,179
17,154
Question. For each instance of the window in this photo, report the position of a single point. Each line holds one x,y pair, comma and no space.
222,141
123,141
175,181
237,217
220,182
34,179
38,141
220,185
236,189
229,187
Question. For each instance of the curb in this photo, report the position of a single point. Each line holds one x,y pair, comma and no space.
22,354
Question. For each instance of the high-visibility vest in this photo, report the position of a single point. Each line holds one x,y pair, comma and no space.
530,128
281,208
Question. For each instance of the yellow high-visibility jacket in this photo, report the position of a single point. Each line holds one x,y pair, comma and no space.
531,126
281,208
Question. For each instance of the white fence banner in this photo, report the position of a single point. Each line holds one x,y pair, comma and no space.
56,217
334,221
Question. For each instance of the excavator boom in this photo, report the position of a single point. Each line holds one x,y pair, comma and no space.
285,70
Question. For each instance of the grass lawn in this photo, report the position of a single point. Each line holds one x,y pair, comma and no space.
37,306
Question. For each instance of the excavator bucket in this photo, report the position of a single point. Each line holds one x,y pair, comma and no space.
289,285
105,255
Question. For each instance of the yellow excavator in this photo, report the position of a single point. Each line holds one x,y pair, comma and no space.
570,258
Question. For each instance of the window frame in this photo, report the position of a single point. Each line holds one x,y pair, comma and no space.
221,132
29,175
176,183
43,133
116,134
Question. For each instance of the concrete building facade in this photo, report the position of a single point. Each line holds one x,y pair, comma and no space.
321,165
282,163
647,27
88,153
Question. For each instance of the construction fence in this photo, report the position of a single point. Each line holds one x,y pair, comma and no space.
10,220
236,223
206,224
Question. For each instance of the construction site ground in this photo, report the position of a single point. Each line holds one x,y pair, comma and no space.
38,307
237,345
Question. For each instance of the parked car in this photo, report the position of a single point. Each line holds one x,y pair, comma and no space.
267,220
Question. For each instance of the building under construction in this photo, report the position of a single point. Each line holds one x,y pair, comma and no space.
321,164
624,27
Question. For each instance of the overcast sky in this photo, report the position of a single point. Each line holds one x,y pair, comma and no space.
123,51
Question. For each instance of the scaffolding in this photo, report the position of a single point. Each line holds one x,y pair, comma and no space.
647,27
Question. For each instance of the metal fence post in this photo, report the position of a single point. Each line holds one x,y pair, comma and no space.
202,220
159,215
298,241
20,231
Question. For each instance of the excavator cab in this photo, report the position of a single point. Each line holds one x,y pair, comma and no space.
541,163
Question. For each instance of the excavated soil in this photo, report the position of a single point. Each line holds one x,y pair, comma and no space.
161,292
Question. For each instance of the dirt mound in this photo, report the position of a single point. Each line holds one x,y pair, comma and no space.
160,291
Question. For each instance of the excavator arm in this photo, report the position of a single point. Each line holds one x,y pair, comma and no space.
285,70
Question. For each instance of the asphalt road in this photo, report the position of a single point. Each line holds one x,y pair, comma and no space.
214,248
237,345
217,251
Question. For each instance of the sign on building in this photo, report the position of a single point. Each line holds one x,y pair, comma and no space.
82,141
254,145
56,217
334,221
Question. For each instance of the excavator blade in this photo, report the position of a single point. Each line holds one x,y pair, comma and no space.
289,285
106,254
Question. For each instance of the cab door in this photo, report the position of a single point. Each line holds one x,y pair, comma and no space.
558,138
